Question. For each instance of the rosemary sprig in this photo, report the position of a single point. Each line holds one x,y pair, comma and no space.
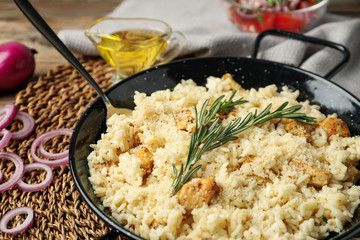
210,134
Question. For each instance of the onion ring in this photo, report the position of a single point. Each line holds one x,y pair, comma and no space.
36,187
48,155
7,114
29,124
19,170
12,213
6,136
40,139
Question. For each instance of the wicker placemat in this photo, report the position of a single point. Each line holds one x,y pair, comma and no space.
56,100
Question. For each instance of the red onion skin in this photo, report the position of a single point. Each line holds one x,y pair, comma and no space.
17,65
39,139
5,138
29,125
11,214
19,170
36,187
7,114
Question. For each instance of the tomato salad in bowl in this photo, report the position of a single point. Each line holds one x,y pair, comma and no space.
290,15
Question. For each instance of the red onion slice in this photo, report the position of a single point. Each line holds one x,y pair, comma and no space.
29,124
6,136
7,114
12,213
36,187
38,140
46,138
19,170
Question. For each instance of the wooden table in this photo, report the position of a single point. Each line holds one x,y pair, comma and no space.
78,14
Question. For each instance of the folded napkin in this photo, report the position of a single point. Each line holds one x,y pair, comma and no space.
209,32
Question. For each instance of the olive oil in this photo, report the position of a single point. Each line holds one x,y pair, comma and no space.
131,51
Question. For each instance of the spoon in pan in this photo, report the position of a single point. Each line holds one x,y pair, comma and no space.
34,17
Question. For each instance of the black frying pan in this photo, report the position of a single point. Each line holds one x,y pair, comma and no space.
249,72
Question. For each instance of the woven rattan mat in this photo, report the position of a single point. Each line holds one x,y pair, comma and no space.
56,100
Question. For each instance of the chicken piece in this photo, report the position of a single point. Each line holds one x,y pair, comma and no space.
298,128
147,161
352,173
137,140
318,177
184,120
233,84
335,126
197,192
227,76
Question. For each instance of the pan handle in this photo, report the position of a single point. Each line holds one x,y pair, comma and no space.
300,37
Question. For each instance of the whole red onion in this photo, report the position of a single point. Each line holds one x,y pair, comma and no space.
17,65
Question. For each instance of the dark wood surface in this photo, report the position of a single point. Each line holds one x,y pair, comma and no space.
78,14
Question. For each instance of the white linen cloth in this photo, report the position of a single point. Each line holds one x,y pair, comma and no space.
209,32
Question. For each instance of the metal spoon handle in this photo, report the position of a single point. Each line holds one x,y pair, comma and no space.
34,17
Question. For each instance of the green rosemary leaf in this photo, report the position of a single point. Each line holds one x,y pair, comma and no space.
310,121
222,142
175,173
294,115
192,172
264,112
225,130
203,110
177,180
214,130
205,146
293,108
282,106
239,130
247,119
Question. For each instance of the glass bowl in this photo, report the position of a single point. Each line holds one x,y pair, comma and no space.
255,20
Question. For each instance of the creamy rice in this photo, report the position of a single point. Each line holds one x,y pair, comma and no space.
283,207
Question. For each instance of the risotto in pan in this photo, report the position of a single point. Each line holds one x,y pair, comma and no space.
281,179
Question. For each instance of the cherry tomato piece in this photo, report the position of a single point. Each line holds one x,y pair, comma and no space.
266,21
289,22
